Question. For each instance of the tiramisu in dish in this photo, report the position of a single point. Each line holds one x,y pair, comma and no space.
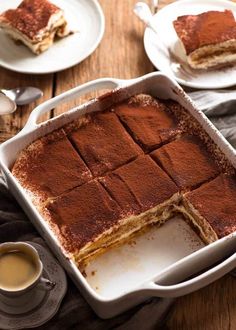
102,179
212,207
208,39
35,23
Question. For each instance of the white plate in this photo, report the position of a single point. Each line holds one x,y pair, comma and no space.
159,56
85,16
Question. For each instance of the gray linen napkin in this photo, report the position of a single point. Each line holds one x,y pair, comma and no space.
74,312
223,115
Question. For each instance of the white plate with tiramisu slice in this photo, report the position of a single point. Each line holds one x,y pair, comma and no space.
195,43
44,36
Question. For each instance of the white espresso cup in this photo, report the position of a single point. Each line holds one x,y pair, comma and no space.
20,272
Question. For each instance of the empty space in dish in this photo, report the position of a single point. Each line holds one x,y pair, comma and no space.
145,256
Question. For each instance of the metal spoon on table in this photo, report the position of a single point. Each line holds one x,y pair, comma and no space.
10,98
143,11
23,95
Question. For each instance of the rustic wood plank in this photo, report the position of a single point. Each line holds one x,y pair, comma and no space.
211,308
11,124
163,3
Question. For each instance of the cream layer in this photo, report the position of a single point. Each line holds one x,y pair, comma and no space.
211,56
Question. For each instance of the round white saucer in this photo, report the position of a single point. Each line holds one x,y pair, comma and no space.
160,56
43,305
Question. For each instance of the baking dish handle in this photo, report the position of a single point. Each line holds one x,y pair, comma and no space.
192,284
94,85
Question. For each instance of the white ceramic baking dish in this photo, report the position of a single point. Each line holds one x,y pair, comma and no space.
173,279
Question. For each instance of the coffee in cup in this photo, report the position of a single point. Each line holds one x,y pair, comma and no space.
21,270
18,269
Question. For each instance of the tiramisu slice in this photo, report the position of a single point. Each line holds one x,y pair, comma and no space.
82,217
209,39
148,120
187,161
50,166
35,23
212,208
102,142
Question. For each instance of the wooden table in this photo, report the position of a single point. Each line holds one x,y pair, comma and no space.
121,54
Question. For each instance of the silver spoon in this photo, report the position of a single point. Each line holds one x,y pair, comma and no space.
22,95
142,10
6,105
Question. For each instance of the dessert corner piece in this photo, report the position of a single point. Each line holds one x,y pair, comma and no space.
49,167
209,39
35,23
212,208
